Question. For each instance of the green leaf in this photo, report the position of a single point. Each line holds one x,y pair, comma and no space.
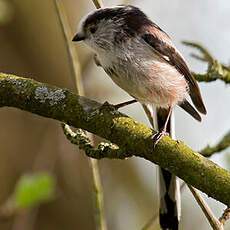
32,190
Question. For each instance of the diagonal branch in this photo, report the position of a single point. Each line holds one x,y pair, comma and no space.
133,137
214,222
98,3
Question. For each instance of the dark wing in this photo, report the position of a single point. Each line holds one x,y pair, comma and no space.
162,44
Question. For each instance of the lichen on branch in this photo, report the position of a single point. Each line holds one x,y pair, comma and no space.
135,139
103,150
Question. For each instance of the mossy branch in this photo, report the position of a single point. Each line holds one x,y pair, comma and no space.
134,138
103,149
215,71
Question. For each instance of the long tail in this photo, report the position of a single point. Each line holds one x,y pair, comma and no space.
170,202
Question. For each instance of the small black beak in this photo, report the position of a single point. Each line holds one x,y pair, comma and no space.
78,37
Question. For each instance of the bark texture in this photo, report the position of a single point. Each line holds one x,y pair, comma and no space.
132,137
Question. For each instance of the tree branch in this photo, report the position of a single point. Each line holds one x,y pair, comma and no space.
222,145
98,3
103,150
134,138
214,222
216,70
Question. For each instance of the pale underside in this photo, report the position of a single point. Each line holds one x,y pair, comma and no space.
139,71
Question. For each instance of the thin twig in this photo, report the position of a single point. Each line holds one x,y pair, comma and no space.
150,222
223,144
214,222
98,196
103,149
71,51
216,70
126,2
95,169
76,75
98,4
206,56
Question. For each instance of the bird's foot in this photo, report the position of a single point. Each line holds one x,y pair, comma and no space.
123,104
108,106
157,137
118,106
111,107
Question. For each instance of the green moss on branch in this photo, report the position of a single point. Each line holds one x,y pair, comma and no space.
133,137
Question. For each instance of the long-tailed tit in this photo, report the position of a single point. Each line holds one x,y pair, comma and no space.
141,58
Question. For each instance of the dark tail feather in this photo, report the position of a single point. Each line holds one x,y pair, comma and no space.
170,210
169,187
197,99
190,109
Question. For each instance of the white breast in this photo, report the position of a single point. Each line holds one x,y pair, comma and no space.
137,69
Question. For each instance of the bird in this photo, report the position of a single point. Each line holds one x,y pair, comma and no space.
141,59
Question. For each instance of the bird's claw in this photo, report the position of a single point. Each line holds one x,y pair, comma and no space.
106,104
157,137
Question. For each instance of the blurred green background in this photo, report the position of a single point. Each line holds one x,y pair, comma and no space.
34,153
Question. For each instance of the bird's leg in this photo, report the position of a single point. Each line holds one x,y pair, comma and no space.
123,104
162,132
117,106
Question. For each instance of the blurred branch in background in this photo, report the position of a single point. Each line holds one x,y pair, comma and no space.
6,12
223,144
215,71
98,3
72,54
214,222
150,222
104,121
76,75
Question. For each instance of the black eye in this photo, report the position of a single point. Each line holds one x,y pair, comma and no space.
93,29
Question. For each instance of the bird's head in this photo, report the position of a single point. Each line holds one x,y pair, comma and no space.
105,28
